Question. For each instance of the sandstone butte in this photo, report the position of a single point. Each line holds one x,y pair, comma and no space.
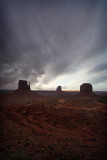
86,89
23,89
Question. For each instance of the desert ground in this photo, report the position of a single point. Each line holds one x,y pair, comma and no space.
53,127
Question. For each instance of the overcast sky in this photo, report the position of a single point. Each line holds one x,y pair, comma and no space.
53,42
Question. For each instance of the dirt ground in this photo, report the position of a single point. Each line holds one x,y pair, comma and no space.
56,128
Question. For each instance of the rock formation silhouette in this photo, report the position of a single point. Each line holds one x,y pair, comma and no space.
59,90
23,85
86,89
23,89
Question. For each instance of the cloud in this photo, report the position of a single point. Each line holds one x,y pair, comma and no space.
42,41
100,68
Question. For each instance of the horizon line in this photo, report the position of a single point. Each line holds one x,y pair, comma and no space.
55,90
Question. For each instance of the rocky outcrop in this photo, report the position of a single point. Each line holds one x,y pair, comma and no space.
23,85
59,89
23,89
86,88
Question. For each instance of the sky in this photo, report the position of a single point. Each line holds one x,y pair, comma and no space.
53,42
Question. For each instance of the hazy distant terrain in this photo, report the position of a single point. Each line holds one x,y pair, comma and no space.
51,92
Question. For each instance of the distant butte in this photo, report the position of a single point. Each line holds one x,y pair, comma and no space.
23,89
59,90
23,85
86,89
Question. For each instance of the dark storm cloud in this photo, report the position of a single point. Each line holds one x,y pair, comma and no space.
100,79
100,68
101,71
50,37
